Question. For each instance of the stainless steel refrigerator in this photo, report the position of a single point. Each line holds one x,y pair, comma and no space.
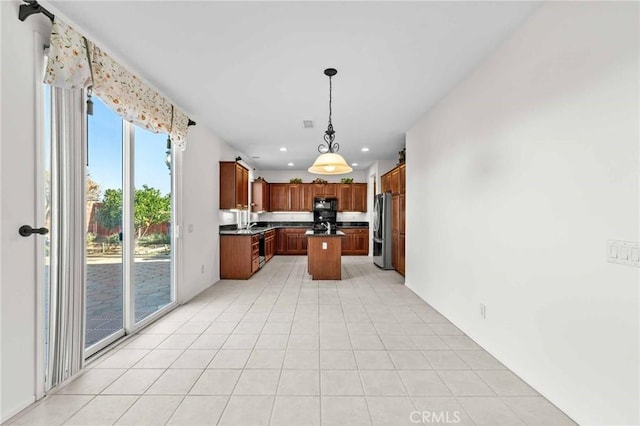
382,231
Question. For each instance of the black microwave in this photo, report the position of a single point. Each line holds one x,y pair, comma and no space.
325,203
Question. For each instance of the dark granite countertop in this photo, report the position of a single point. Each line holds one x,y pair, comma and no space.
261,227
334,233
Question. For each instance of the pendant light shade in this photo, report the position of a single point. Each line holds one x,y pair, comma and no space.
329,162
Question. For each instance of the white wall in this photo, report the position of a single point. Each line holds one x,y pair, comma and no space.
515,182
201,217
17,185
283,176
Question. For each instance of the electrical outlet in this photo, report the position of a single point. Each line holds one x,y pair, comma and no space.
483,311
623,252
324,245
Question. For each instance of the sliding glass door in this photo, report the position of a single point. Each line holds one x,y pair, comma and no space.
104,206
152,270
129,265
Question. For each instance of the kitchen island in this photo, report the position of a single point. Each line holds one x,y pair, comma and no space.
324,251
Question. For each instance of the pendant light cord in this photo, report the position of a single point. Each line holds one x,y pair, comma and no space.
330,99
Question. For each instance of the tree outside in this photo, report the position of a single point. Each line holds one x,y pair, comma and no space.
152,214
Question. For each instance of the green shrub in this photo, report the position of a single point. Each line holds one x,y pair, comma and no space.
153,239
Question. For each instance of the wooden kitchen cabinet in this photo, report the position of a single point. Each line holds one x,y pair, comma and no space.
306,197
269,244
324,261
395,213
359,197
234,186
352,197
298,197
401,252
394,181
355,242
260,196
239,256
324,190
281,241
279,197
395,245
293,198
385,183
344,197
291,241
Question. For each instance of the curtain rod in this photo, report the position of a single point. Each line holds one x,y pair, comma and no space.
31,7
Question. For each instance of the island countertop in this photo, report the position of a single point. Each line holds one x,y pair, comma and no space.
314,233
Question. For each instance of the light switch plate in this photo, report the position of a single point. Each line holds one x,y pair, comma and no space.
623,252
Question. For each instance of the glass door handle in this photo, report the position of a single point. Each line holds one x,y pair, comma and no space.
26,230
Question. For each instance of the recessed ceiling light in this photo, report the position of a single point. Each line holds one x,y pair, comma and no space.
365,149
283,149
354,164
289,164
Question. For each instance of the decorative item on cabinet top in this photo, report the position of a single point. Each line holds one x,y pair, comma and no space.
295,180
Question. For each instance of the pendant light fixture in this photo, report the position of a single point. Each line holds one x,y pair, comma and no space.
329,162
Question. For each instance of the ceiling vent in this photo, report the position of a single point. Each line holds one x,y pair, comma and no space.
307,124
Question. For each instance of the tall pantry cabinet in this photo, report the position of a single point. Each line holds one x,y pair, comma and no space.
394,181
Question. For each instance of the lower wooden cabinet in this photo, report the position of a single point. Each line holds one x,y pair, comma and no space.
239,256
269,244
291,241
355,242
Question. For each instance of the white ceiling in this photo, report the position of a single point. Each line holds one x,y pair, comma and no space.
252,71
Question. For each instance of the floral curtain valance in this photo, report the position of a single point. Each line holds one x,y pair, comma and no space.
69,67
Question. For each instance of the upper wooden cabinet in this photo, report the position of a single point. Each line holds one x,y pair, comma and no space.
394,180
279,197
359,197
294,198
298,197
234,186
344,197
259,196
352,197
324,189
385,183
306,197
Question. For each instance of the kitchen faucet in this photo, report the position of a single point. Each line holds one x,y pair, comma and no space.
249,226
327,225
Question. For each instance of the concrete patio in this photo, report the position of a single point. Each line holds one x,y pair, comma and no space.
152,281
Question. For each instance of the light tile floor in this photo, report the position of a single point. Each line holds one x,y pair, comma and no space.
281,349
